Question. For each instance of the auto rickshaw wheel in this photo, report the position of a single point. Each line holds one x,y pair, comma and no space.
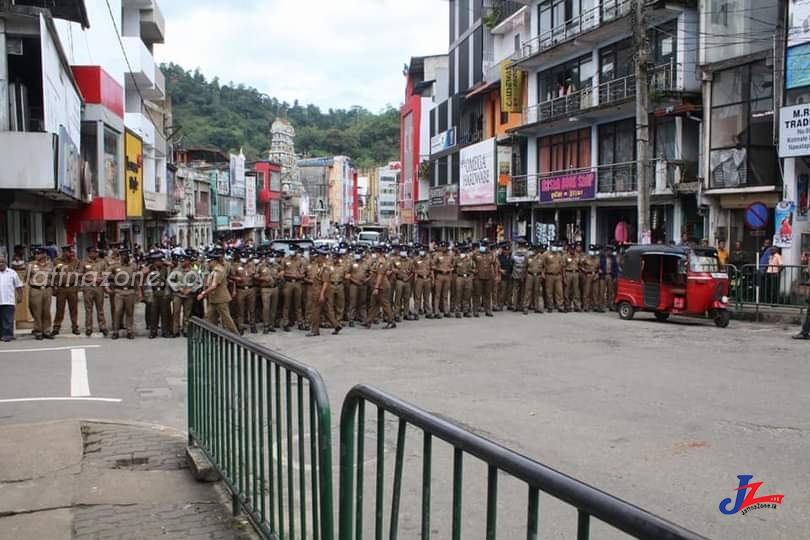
626,311
661,316
722,317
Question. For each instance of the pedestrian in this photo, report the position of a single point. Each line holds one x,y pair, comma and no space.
93,271
11,289
218,294
320,304
66,290
126,287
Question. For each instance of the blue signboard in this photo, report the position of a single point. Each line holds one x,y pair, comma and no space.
797,66
756,215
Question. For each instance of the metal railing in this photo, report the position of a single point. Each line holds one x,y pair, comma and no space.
785,286
662,78
588,501
617,177
264,422
608,11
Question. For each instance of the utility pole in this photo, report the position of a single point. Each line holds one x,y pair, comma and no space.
4,110
643,153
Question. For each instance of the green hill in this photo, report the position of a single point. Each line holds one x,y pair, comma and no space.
235,116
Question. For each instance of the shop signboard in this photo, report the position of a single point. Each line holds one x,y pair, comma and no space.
443,141
423,211
783,223
797,66
568,187
444,195
237,172
794,131
477,174
250,195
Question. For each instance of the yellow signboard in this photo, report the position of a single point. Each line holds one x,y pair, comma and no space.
511,88
133,174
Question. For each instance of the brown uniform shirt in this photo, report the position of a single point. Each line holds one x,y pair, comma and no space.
553,262
39,274
484,265
536,264
464,265
266,275
294,268
443,263
93,271
403,269
421,266
220,295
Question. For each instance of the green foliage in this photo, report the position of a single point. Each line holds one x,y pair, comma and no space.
233,116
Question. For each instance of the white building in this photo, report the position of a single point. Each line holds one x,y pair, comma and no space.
387,197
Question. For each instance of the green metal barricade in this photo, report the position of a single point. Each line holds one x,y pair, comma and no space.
264,421
498,461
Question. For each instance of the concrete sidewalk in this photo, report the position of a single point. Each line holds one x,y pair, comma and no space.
77,479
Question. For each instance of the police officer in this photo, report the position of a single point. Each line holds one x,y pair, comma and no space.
337,276
381,290
66,290
486,274
422,283
268,277
589,277
159,309
293,274
464,270
320,303
40,281
185,283
217,293
553,268
242,276
608,273
519,256
504,285
113,259
126,287
442,266
402,268
535,274
358,277
93,271
571,278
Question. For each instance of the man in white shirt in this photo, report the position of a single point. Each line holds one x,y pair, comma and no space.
11,288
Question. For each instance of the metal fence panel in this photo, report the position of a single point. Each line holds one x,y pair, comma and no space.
467,448
783,286
264,421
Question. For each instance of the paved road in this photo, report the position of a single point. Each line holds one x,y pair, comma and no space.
664,415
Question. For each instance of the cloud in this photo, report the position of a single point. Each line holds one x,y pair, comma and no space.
325,52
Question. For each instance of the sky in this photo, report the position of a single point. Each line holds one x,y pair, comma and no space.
331,53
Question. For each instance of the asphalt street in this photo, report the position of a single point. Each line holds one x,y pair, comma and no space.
665,415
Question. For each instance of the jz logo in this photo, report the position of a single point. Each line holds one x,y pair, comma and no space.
747,499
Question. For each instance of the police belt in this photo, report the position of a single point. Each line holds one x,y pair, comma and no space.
245,287
337,283
552,273
572,271
464,275
444,271
40,286
423,277
535,273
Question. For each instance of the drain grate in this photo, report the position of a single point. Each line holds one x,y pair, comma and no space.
131,462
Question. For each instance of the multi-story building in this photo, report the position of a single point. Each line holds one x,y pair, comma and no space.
388,182
43,178
315,176
268,183
737,63
331,186
425,74
368,189
579,60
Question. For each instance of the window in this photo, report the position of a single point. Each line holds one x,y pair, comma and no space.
741,127
564,78
517,42
89,144
504,117
617,154
616,61
720,14
275,181
664,145
663,40
565,151
112,164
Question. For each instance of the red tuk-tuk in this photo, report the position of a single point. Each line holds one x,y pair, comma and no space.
668,281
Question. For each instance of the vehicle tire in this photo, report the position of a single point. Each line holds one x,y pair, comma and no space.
626,311
660,316
722,317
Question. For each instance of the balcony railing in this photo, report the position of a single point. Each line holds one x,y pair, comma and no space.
469,137
609,10
202,209
662,78
616,178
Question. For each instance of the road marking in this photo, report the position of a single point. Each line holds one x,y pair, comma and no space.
21,400
50,349
79,383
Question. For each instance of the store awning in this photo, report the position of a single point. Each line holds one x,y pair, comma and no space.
481,88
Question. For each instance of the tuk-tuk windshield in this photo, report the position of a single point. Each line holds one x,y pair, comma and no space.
703,263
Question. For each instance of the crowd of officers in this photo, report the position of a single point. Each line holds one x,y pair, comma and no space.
253,289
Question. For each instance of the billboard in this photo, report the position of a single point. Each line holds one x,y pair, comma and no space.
797,66
511,88
237,172
477,174
568,187
133,181
250,195
798,22
794,131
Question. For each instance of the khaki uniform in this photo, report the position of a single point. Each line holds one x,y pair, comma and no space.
21,312
403,279
589,270
553,263
66,291
310,268
242,276
40,295
184,283
533,295
358,272
93,273
442,268
571,281
219,299
519,260
464,271
159,308
267,277
485,268
337,291
379,270
320,274
293,275
112,262
123,283
422,285
607,285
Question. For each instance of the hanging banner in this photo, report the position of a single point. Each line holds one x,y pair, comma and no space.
133,155
511,88
783,223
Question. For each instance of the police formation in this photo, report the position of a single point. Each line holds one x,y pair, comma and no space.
260,289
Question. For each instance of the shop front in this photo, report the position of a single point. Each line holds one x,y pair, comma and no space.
446,222
564,210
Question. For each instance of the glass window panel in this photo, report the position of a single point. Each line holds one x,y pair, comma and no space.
606,138
112,164
90,153
727,86
762,167
761,130
761,81
761,106
664,138
545,18
728,126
